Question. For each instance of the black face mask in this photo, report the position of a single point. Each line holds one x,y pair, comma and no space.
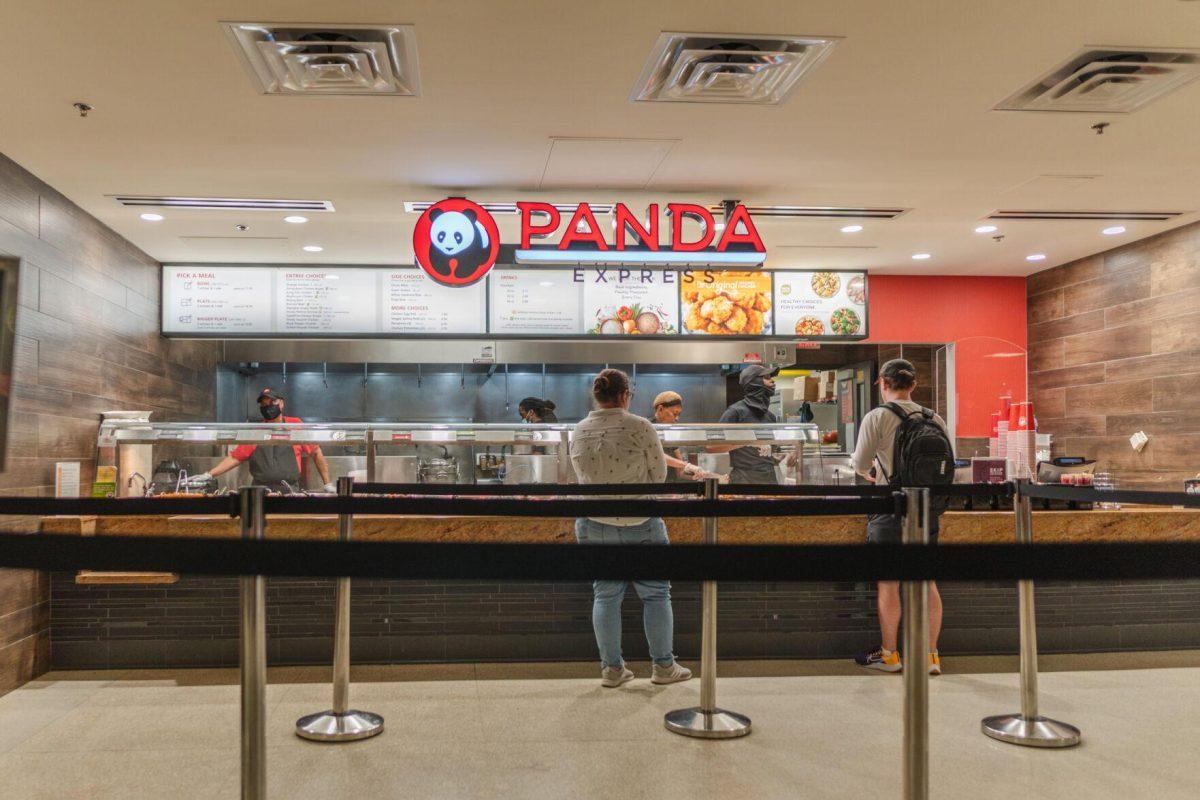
270,412
758,395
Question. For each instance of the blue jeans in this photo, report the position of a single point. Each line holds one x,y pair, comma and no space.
657,616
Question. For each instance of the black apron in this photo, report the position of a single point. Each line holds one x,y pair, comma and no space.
756,476
271,465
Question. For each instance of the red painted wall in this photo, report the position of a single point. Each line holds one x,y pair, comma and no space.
984,317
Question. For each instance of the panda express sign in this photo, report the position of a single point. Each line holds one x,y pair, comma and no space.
456,241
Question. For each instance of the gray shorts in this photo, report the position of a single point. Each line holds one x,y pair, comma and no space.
888,529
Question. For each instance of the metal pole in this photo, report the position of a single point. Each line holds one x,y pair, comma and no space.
707,721
341,723
916,645
1028,728
253,598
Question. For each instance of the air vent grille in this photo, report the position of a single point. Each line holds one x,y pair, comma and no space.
419,206
819,212
217,203
727,68
1109,80
328,59
1126,216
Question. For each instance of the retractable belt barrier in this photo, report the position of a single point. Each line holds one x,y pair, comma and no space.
915,562
529,489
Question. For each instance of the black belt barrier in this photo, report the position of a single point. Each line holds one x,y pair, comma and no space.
436,561
530,489
1092,495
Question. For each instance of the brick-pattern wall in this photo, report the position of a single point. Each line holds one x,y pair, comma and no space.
87,341
195,622
1114,348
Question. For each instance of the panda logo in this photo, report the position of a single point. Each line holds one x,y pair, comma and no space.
456,242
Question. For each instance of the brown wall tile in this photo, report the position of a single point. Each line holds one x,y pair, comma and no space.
1046,306
1135,313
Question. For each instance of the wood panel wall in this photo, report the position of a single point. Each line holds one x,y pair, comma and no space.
1114,348
87,342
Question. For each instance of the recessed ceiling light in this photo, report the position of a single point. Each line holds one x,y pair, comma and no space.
313,248
1036,257
296,219
1114,230
986,229
152,217
852,229
921,256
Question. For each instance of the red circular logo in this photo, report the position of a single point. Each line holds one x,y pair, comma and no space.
456,242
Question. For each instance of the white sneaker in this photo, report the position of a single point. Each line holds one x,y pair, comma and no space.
676,673
612,677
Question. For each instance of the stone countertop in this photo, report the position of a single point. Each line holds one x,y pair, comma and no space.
958,527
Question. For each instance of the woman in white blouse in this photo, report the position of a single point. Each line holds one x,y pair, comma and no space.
613,446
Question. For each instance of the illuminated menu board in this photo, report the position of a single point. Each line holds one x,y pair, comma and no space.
630,302
812,304
535,302
332,302
718,303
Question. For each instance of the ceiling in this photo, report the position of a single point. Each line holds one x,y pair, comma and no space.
898,116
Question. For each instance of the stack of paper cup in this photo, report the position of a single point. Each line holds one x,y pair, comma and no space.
1002,426
1022,439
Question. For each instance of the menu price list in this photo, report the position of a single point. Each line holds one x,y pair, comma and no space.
217,300
535,302
414,304
323,301
817,303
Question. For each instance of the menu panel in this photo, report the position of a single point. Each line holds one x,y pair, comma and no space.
627,302
533,302
721,303
326,301
821,303
234,300
414,304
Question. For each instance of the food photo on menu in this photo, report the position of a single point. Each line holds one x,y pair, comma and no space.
821,303
726,303
629,303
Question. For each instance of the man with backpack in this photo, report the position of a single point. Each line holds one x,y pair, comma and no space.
902,444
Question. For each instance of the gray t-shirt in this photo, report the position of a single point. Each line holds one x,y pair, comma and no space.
748,458
877,438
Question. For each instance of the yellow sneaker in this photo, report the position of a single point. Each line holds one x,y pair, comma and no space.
884,661
935,663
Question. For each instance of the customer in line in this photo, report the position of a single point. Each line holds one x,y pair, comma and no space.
886,432
611,445
537,411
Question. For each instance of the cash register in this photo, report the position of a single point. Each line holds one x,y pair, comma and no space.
1055,470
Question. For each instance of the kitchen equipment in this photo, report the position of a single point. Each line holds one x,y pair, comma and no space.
488,466
439,469
397,469
1053,470
521,468
166,478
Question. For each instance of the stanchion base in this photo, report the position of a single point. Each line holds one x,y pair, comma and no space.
1031,732
330,727
718,724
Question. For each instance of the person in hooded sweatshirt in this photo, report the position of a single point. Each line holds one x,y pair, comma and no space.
752,464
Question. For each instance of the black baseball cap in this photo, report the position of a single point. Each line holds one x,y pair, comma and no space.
896,368
269,394
756,371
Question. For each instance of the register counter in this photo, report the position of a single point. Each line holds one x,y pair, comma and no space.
193,622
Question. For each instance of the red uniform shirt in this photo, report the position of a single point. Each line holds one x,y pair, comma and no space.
243,451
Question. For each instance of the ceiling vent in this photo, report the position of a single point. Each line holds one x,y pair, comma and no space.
1108,80
328,59
818,212
419,206
1124,216
220,203
727,68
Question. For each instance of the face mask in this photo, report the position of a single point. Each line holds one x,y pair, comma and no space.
270,412
757,394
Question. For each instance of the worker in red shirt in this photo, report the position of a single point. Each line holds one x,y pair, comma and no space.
275,466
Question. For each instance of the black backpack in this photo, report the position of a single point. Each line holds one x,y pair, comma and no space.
921,454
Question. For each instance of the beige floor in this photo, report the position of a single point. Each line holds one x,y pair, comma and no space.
471,731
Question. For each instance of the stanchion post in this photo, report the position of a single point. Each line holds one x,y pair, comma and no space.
707,721
916,649
253,655
341,723
1028,728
